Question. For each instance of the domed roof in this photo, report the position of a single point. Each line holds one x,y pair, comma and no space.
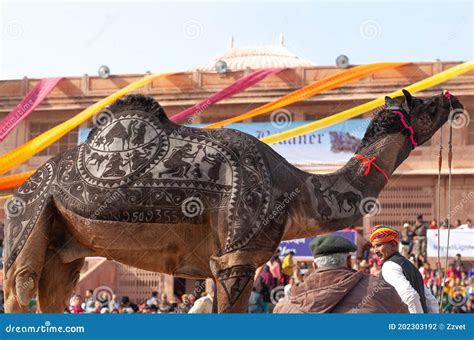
257,57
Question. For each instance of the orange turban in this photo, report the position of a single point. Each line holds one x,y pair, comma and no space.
383,234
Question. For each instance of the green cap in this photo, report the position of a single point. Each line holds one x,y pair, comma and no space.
331,244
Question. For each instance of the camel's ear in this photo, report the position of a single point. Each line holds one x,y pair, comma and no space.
388,100
408,98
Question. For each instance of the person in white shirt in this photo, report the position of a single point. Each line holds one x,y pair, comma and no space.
205,304
400,273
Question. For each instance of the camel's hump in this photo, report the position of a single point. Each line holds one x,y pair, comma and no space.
137,106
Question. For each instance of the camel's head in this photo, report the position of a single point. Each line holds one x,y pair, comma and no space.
424,116
416,118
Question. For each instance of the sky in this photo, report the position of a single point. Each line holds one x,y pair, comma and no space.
65,38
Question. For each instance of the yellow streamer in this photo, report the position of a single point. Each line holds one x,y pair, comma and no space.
358,110
5,197
17,156
324,84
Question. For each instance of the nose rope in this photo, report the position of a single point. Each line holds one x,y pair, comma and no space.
440,166
448,95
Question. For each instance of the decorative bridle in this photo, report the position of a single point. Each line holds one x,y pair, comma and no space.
406,122
368,162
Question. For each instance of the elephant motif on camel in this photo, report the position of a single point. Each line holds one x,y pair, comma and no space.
189,202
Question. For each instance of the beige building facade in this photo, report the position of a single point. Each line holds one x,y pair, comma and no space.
413,189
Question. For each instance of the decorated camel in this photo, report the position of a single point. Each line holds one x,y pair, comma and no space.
189,202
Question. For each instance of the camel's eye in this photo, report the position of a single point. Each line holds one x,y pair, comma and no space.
432,108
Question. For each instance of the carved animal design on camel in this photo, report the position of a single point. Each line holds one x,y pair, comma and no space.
190,202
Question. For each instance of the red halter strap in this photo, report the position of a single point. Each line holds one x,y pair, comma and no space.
367,163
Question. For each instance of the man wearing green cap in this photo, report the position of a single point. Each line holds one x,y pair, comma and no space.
334,287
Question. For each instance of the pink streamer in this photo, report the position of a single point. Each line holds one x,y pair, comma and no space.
239,85
27,105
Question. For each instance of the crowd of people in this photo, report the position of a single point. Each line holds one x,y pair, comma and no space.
156,304
277,273
414,237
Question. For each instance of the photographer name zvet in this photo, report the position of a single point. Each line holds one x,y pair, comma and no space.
453,327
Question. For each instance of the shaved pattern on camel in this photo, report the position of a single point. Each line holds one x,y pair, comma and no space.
148,172
234,280
23,211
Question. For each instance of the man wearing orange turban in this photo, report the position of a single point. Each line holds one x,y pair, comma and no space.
399,272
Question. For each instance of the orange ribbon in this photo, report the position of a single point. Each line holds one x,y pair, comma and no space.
13,181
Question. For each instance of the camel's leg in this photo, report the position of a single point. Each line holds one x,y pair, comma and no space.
22,278
57,282
28,222
234,275
215,305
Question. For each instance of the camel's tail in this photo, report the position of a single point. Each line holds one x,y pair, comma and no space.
29,214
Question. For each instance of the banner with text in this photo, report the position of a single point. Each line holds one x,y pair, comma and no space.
301,246
461,241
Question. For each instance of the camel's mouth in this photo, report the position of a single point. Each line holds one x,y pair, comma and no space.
442,108
453,110
455,104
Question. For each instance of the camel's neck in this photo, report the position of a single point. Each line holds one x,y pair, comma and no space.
338,200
